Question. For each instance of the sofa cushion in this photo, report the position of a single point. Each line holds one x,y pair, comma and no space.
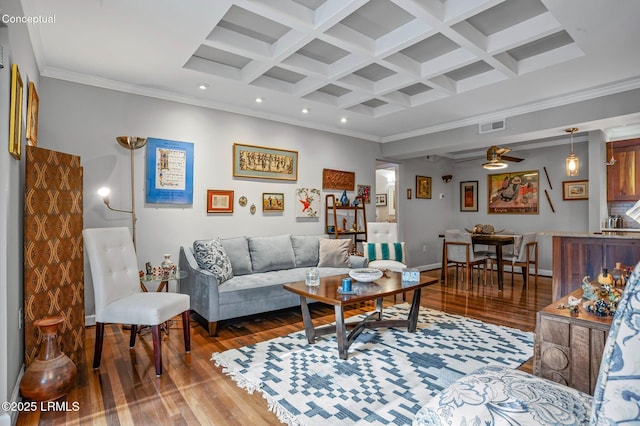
211,256
238,251
334,253
271,253
306,249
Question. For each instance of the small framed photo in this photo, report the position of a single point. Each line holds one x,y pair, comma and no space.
381,200
469,196
408,193
575,190
423,187
364,191
272,202
219,201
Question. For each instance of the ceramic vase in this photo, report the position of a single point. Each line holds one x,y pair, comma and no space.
168,267
52,374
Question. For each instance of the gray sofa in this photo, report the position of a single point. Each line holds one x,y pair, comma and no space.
260,266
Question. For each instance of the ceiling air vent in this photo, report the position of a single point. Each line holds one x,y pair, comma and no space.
492,126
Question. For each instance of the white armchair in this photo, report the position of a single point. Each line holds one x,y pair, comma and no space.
118,297
382,248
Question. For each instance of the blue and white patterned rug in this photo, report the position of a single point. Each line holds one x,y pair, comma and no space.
388,376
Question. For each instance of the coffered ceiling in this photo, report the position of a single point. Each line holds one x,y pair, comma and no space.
383,70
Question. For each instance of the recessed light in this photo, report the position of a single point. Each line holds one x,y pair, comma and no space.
258,100
203,86
305,110
343,120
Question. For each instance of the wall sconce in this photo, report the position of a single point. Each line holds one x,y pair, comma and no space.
131,143
447,178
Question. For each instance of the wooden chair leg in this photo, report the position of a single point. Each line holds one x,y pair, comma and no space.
157,349
132,338
186,330
97,352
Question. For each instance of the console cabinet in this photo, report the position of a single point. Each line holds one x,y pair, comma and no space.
568,348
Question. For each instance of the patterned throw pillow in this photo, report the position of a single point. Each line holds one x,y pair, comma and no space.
384,251
210,255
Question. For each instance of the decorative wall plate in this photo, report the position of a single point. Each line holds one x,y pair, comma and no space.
242,201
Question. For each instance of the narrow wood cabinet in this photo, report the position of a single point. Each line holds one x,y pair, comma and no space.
568,348
623,178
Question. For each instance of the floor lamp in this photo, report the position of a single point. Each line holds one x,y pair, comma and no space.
131,143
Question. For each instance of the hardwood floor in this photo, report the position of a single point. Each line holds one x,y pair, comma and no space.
192,390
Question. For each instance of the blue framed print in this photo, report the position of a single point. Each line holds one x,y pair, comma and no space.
169,172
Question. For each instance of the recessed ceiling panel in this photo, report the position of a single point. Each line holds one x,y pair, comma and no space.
251,25
415,89
310,4
333,90
542,45
430,48
469,71
323,52
374,103
221,56
505,15
374,72
377,18
284,75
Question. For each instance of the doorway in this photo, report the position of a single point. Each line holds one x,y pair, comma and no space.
386,192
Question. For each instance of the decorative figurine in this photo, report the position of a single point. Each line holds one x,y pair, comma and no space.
344,200
588,292
344,224
605,277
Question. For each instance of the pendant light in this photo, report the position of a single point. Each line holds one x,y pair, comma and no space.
572,162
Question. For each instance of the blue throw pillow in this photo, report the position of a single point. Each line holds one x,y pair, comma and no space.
211,256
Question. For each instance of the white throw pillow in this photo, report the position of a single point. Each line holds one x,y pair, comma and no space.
334,253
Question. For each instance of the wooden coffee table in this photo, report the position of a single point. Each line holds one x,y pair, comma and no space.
327,292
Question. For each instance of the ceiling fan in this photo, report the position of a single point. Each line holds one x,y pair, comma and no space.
496,158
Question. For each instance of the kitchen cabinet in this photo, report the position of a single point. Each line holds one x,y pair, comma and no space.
623,178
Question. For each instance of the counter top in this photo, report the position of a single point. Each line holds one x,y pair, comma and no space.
603,234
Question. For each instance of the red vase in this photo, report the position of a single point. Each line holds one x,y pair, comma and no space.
52,374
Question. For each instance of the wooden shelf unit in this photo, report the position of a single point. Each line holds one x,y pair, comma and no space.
354,214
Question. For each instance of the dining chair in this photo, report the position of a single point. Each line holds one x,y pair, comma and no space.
118,296
525,256
458,249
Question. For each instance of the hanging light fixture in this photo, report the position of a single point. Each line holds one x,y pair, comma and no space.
572,163
495,162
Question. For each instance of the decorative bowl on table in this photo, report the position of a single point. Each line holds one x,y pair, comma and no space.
365,275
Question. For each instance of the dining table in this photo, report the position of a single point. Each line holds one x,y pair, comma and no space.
496,240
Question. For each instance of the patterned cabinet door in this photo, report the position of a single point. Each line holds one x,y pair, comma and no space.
53,249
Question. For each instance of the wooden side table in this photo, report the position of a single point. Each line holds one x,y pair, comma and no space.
568,347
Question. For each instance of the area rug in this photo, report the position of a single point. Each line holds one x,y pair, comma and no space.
389,374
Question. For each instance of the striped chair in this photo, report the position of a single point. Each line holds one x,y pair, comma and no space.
382,249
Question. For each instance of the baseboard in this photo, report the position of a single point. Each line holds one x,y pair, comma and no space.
10,418
89,320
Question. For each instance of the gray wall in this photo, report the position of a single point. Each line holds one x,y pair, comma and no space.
85,120
17,49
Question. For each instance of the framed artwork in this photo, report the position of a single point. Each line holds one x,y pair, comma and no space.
15,113
364,191
272,202
423,187
259,162
219,201
513,193
381,200
308,204
169,172
575,190
338,179
469,196
32,115
408,193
